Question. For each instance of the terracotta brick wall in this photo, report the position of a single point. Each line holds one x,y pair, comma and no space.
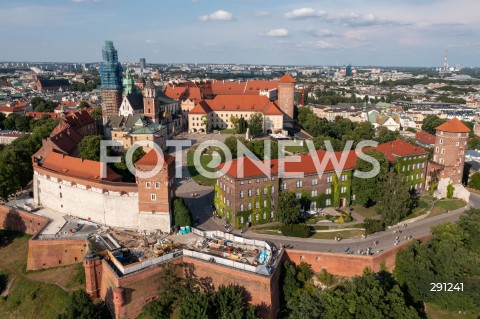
53,253
16,220
141,287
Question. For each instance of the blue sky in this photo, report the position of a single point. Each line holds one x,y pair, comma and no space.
316,32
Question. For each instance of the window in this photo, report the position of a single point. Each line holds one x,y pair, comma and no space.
258,181
241,209
265,190
264,216
249,206
249,193
257,191
313,206
328,191
241,183
157,185
147,184
314,193
329,179
314,181
256,217
249,181
153,196
328,202
257,205
241,220
441,141
343,190
344,178
264,203
299,184
298,195
241,194
284,187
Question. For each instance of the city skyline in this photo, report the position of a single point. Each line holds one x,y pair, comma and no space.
410,33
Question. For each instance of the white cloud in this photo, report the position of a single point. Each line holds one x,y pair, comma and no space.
78,1
219,15
304,13
282,32
316,44
323,33
364,20
148,41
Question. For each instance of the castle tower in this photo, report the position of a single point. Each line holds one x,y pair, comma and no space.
150,104
93,274
118,301
286,94
450,147
155,193
129,86
111,81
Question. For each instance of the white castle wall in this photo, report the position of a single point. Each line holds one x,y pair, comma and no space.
107,208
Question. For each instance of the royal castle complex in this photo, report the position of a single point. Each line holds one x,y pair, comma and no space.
136,110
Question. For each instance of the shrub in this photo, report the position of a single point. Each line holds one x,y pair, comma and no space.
450,190
373,226
299,230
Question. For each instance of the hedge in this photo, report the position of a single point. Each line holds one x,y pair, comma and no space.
299,230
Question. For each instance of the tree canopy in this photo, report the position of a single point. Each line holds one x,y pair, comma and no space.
89,147
181,214
367,190
255,123
288,208
80,306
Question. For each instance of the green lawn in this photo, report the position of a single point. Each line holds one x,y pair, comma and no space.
204,160
341,233
369,212
446,204
296,149
435,312
228,131
33,294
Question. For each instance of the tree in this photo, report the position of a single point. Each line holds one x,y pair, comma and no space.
473,143
384,135
395,199
2,118
367,190
256,124
181,214
307,304
450,190
195,305
41,105
242,126
122,169
84,105
229,303
431,122
369,296
80,306
89,147
474,181
288,209
97,113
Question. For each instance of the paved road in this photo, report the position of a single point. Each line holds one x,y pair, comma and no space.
386,239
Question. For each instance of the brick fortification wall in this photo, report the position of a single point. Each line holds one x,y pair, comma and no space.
17,220
56,252
346,265
140,288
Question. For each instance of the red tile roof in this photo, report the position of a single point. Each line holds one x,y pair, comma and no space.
453,126
77,167
150,159
244,103
39,115
397,148
271,109
425,138
306,165
201,108
287,78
